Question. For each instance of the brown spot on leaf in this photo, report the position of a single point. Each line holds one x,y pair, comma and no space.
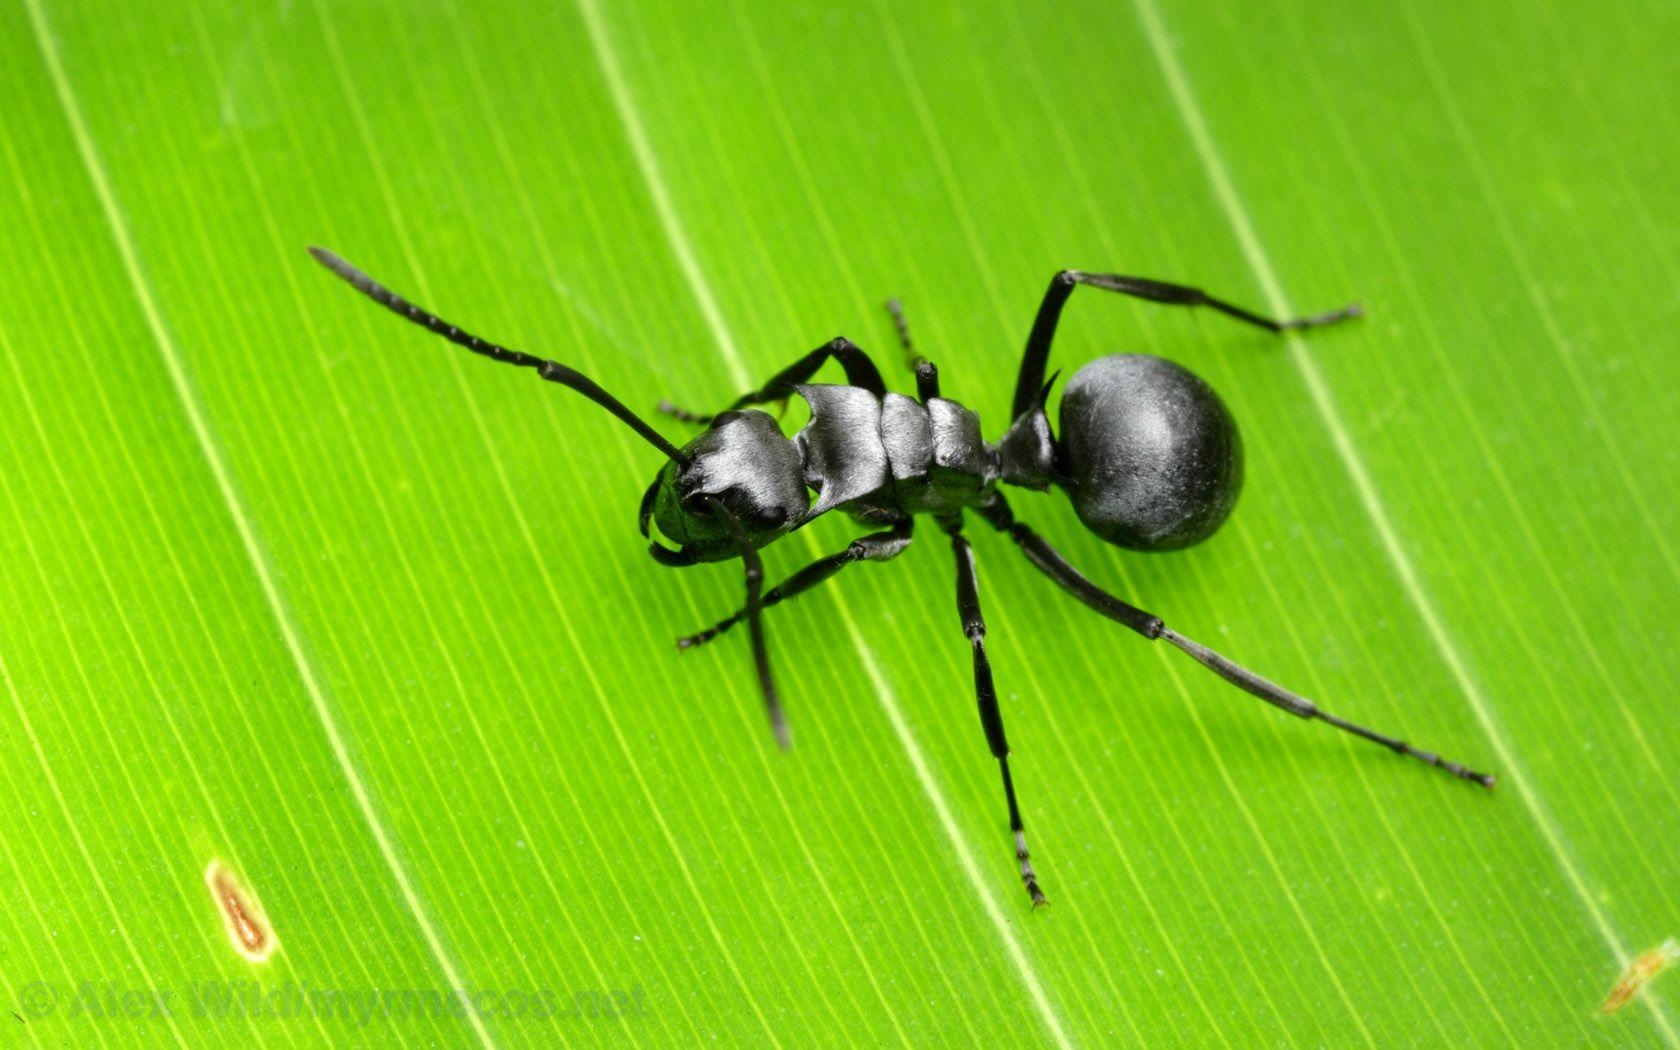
1639,973
247,926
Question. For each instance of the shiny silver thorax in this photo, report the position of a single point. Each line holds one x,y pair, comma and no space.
886,457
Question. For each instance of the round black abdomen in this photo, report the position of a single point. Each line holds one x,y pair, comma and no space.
1152,454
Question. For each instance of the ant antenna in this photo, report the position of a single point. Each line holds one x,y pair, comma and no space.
552,371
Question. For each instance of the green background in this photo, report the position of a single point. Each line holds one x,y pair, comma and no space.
286,583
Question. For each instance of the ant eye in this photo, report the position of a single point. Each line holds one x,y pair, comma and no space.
695,503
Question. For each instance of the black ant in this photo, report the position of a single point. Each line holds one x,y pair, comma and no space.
1148,453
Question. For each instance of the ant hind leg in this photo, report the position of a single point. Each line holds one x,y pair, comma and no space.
1049,561
1033,362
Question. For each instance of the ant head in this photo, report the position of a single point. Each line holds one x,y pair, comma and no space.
746,463
1148,453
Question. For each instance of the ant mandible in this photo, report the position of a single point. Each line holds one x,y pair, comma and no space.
1148,453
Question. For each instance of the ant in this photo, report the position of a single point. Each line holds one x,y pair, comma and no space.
1148,453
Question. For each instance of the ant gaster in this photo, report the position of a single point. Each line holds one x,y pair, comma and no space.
1148,453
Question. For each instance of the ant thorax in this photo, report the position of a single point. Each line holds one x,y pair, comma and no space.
891,455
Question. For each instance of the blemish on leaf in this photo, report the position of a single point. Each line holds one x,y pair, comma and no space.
1639,973
247,926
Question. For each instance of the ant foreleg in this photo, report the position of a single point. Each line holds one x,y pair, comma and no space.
1037,356
860,371
877,546
683,414
927,373
754,569
1050,561
991,719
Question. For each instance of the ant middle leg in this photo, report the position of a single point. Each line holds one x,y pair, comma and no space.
927,373
877,546
860,371
991,718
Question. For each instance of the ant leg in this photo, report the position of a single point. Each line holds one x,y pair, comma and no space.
860,371
761,655
1037,356
927,373
877,546
991,719
1050,562
683,414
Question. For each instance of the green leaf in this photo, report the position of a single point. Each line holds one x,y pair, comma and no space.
292,587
